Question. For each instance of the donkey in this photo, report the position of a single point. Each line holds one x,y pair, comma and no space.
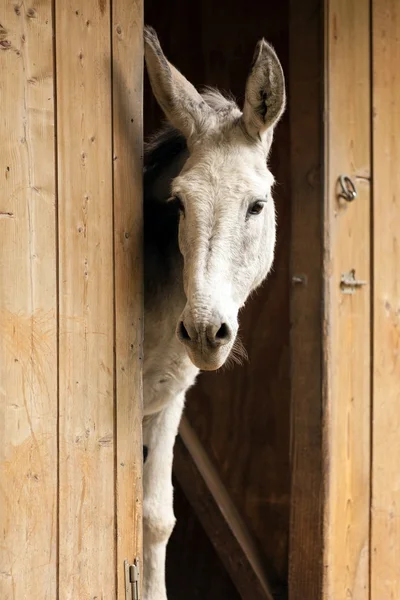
209,242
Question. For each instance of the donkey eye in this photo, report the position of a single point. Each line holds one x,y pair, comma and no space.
255,208
179,204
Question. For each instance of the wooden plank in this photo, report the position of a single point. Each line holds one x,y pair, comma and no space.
346,395
84,116
217,513
385,543
28,301
305,109
127,34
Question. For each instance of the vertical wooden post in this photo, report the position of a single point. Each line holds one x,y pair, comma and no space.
28,306
86,360
346,394
306,107
331,399
127,72
385,527
99,123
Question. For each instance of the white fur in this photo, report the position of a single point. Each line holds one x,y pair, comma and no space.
227,252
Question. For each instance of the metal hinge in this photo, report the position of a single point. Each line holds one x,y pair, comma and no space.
349,283
132,580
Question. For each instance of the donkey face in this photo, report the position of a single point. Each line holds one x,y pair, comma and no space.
227,223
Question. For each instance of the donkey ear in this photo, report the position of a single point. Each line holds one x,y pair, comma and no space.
181,102
265,94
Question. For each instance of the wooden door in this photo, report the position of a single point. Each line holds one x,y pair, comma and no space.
70,297
331,335
345,369
385,509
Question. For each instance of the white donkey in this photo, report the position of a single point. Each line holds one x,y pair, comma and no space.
209,242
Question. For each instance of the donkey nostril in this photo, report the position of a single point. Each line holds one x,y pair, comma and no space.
222,333
183,332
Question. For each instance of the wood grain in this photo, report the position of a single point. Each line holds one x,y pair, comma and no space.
346,395
66,518
28,306
305,109
385,543
127,69
84,117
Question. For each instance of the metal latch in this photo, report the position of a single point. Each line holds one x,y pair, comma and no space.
348,189
132,580
349,283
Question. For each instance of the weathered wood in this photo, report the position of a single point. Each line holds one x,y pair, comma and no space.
346,394
70,298
385,527
86,359
28,306
127,68
28,356
217,513
305,108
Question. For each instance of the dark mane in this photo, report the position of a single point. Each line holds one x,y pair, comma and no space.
159,152
161,218
164,156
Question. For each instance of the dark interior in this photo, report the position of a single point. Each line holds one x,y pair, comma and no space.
241,415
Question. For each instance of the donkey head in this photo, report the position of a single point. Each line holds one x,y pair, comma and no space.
227,222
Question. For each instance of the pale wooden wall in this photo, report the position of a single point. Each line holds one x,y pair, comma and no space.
345,539
28,304
346,393
385,472
70,297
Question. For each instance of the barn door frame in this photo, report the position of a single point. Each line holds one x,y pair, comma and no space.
331,343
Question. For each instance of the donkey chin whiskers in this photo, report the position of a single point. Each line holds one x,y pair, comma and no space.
237,356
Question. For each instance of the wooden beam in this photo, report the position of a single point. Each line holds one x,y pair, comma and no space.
346,391
127,81
28,305
87,538
385,526
216,512
305,111
330,341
